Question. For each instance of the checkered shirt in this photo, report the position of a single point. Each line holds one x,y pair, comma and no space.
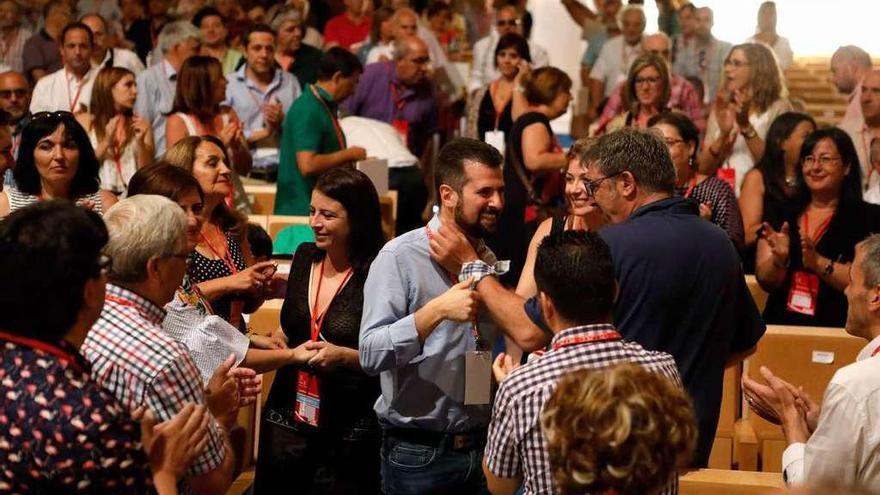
142,365
516,445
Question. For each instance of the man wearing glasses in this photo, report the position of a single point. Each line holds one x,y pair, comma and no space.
682,288
507,20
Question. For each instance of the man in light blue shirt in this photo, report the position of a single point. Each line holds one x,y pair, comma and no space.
417,335
156,86
261,93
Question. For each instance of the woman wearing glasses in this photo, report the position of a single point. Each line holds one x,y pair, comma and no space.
55,161
803,257
717,201
645,95
751,97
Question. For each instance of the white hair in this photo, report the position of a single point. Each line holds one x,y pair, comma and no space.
175,33
630,7
141,227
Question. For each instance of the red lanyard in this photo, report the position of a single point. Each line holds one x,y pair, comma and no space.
820,231
318,321
339,134
226,258
691,186
46,347
79,88
584,339
875,351
399,103
117,153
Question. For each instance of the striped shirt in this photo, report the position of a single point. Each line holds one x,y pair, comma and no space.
140,364
516,445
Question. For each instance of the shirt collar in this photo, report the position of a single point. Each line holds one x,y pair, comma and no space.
124,297
325,95
168,70
870,349
483,251
583,330
241,76
676,204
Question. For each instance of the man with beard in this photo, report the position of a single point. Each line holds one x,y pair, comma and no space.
70,88
422,334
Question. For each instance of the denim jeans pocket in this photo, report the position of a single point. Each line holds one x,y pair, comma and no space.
407,455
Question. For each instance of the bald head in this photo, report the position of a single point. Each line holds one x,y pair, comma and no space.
98,27
411,60
406,23
871,97
658,44
15,94
848,66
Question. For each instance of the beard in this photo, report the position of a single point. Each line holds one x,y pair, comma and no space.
477,228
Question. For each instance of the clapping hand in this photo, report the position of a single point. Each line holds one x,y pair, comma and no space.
778,241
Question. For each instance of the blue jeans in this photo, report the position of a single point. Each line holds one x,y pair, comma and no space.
412,468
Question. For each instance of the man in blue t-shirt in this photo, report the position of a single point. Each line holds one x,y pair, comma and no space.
682,288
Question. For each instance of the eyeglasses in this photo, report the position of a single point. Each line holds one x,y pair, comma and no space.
19,93
507,22
647,80
735,63
105,263
592,185
670,142
660,53
823,160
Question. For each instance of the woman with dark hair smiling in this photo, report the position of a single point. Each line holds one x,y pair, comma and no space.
55,161
804,256
332,447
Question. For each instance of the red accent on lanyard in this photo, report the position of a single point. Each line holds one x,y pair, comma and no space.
227,258
583,339
691,186
820,231
339,134
399,103
120,301
318,321
79,88
40,345
117,154
875,351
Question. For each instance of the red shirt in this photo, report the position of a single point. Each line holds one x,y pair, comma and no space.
342,30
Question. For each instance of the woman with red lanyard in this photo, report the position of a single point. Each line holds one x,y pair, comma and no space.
319,430
490,108
533,160
716,199
122,140
803,260
222,266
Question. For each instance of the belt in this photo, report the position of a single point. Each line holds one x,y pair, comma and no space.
468,440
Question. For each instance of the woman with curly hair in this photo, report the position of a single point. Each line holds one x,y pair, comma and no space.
641,431
752,96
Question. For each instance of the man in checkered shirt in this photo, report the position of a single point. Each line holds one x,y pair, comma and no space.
129,353
576,290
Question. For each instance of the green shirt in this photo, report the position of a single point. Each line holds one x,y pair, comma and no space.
307,126
230,61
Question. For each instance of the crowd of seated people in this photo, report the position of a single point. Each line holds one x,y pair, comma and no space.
552,314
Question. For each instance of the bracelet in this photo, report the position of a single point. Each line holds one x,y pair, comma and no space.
749,132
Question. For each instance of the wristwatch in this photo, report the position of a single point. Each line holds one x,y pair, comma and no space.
829,268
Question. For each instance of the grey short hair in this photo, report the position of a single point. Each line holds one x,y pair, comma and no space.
175,33
286,14
871,261
141,227
640,152
628,7
854,54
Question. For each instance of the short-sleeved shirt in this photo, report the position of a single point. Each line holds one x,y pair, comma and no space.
682,291
41,52
381,96
308,126
135,360
344,32
62,432
516,445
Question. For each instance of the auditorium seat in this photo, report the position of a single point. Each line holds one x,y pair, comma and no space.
261,198
726,482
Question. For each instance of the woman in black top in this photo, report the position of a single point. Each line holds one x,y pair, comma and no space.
804,256
491,107
334,449
533,160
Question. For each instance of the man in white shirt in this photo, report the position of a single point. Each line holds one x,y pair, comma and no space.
104,54
849,64
838,442
507,20
70,88
617,55
865,129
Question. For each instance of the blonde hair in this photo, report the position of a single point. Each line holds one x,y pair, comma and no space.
766,79
621,429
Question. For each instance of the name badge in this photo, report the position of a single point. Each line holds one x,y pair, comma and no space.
495,139
477,377
308,399
728,175
402,128
803,293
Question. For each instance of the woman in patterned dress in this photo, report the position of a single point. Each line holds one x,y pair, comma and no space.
55,161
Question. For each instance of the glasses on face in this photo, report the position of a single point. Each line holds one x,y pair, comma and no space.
105,263
661,53
19,93
507,22
593,185
647,80
823,160
670,142
735,63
